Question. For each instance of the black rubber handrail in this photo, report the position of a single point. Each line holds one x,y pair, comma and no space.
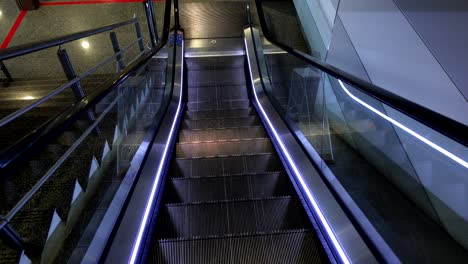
31,47
40,137
442,124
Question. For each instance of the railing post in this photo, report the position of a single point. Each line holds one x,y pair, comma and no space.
71,74
6,72
153,31
139,36
116,47
11,237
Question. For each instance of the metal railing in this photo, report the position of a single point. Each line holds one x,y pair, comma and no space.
66,64
42,136
35,46
11,117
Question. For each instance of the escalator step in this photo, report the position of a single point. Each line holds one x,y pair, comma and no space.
231,165
204,219
245,186
217,94
221,122
214,63
219,77
292,246
227,113
223,148
222,134
219,105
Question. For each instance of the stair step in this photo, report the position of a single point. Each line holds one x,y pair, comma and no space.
13,105
223,148
8,255
288,246
32,225
227,113
221,122
190,220
229,165
222,134
228,187
218,105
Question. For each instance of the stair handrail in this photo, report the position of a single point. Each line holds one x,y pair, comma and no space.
449,127
40,137
20,112
35,46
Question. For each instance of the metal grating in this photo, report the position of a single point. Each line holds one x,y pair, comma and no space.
212,19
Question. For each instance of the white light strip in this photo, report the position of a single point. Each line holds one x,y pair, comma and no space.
318,211
162,162
406,129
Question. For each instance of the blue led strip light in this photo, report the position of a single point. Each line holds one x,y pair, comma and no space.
406,129
331,235
157,179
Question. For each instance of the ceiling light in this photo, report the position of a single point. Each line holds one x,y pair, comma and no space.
85,44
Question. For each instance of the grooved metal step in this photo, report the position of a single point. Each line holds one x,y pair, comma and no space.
218,62
228,187
213,19
190,220
223,148
218,105
229,165
228,198
226,113
222,134
214,123
220,77
215,93
289,246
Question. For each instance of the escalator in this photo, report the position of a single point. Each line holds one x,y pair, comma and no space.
227,192
215,187
322,148
223,145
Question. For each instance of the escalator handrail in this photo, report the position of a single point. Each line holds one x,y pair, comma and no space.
441,123
35,46
40,137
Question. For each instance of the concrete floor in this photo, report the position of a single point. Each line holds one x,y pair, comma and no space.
9,12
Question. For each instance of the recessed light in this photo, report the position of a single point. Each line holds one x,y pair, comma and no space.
28,97
85,44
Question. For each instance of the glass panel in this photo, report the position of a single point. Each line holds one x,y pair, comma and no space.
407,179
382,42
83,169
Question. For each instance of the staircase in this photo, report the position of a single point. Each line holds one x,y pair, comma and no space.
71,203
228,198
